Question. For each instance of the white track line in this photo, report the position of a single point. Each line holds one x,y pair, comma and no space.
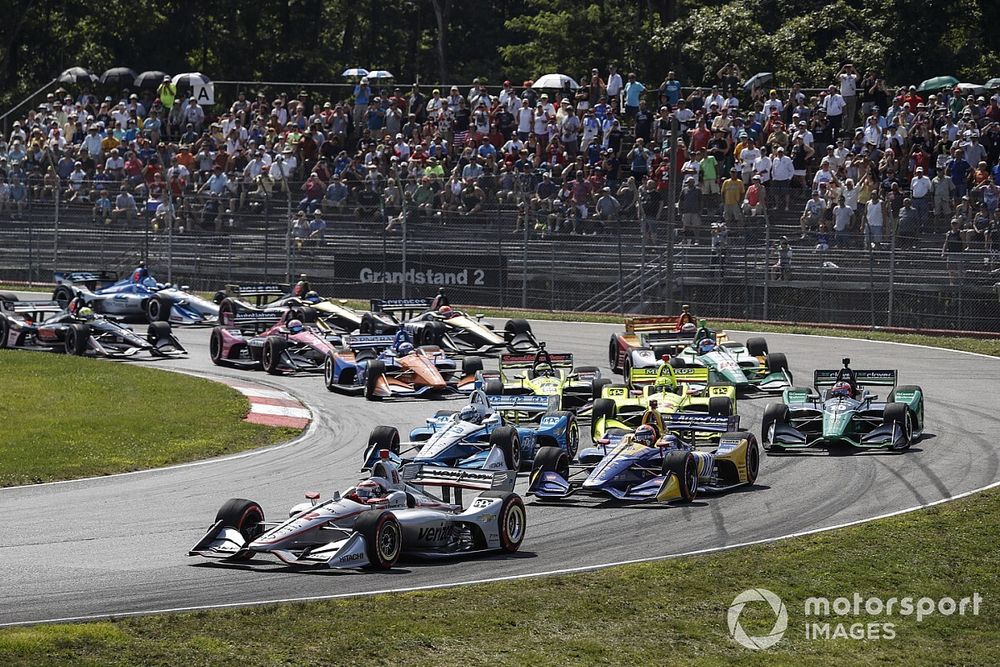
513,577
280,410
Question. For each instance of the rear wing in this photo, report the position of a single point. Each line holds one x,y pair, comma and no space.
420,474
257,290
254,320
694,374
402,307
31,307
651,324
369,342
90,279
697,421
524,403
876,378
516,361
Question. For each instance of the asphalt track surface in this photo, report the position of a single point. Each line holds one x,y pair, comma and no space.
118,544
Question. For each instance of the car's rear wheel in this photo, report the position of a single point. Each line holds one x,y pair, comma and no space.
243,515
62,295
77,339
383,538
598,386
158,309
516,327
384,437
684,467
512,520
4,332
374,370
777,362
720,406
753,459
572,432
505,438
493,388
757,346
471,366
274,348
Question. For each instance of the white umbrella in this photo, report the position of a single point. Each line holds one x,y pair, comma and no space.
354,71
556,81
971,88
190,79
380,74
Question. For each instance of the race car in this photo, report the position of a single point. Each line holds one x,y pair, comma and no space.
45,326
546,374
662,460
435,322
480,436
646,340
663,389
843,410
287,346
136,297
385,366
745,366
275,299
371,525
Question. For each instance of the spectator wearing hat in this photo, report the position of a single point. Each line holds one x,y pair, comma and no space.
920,195
952,250
782,173
607,209
755,200
733,191
959,170
849,93
670,90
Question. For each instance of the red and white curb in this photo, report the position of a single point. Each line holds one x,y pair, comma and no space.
273,407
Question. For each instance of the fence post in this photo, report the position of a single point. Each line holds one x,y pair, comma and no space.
552,276
892,271
524,260
501,274
55,221
403,263
642,255
767,262
621,268
170,235
288,230
31,254
675,173
871,281
385,260
229,259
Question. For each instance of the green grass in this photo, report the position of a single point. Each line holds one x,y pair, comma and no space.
664,613
64,417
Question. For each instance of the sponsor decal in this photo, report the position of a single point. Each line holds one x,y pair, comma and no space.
434,534
349,557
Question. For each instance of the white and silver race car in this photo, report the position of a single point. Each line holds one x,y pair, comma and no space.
372,524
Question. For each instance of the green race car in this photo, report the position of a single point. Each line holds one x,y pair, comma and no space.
745,366
843,410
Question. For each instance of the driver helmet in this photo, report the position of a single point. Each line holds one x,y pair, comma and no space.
841,389
312,297
85,313
140,274
404,348
688,327
706,346
670,441
295,326
544,370
645,435
469,414
445,310
368,490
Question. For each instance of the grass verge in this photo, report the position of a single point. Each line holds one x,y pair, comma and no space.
66,417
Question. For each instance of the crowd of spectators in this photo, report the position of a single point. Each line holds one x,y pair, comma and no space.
851,161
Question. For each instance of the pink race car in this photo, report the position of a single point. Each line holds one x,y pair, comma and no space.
286,347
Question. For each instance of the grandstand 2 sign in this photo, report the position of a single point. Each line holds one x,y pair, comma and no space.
425,269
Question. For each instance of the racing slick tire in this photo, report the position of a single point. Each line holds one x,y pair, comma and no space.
383,538
493,388
720,406
572,432
917,421
677,362
757,346
752,459
63,295
551,459
899,414
683,466
598,386
227,312
306,314
603,407
245,516
8,296
215,347
158,331
511,521
505,438
775,413
77,337
270,358
373,372
514,327
367,325
383,437
4,332
777,362
471,366
158,309
613,355
218,297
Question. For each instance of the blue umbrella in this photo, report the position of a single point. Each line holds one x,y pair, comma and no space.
354,72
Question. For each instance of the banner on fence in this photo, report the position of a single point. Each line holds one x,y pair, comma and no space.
430,269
